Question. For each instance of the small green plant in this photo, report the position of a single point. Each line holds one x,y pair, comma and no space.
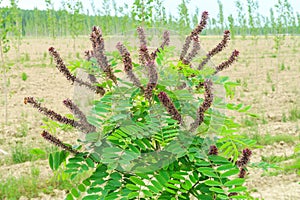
24,76
22,131
150,135
268,139
273,88
269,79
294,114
20,154
282,67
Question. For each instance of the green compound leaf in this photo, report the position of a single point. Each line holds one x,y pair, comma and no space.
69,197
91,197
75,193
212,183
230,173
237,181
238,189
136,180
81,188
132,187
217,190
133,195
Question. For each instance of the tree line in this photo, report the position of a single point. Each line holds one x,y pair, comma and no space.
73,20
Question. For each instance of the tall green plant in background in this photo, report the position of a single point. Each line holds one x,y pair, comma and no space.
184,19
252,8
157,134
221,15
51,18
241,19
16,26
75,22
142,10
5,28
231,26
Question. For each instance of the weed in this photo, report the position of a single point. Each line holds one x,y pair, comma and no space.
284,118
20,154
22,130
293,167
269,139
27,57
77,55
45,55
269,80
276,159
294,114
248,122
273,87
24,76
282,67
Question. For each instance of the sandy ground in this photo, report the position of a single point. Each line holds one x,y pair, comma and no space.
270,89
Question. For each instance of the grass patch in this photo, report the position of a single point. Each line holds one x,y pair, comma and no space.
21,153
276,159
13,188
293,167
294,114
269,139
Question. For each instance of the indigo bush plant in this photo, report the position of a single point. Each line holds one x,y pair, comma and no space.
158,133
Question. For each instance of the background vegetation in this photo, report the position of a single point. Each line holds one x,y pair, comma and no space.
72,19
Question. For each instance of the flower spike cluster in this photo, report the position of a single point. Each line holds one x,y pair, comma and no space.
80,115
144,52
47,136
55,116
194,51
217,49
128,65
228,62
153,77
208,99
197,30
165,42
167,102
60,65
213,150
98,51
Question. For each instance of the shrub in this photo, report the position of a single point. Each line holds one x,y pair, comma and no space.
157,134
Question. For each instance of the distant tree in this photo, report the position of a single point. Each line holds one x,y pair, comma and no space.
16,27
241,19
221,15
4,48
142,11
184,19
76,20
231,26
51,22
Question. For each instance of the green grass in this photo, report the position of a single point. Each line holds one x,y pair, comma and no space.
276,159
13,188
32,185
20,154
294,114
24,76
269,139
293,167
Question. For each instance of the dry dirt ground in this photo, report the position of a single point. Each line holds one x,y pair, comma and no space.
271,88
